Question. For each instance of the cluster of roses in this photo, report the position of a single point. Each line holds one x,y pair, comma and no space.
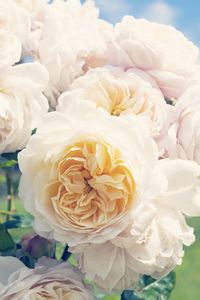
114,169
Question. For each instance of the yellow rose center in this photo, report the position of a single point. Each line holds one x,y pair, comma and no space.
94,184
119,98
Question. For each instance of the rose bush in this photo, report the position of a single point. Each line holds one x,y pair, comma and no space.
106,122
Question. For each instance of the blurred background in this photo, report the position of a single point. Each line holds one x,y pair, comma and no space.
185,16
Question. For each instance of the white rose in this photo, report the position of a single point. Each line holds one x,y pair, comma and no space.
120,93
36,13
10,49
48,280
160,50
81,172
22,104
14,19
183,139
33,6
153,243
71,40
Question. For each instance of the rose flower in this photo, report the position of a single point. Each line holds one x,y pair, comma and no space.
159,50
48,280
81,172
120,93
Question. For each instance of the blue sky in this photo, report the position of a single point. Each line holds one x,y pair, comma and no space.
183,14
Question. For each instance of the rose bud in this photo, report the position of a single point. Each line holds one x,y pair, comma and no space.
37,246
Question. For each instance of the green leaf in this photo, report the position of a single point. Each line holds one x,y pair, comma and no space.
59,250
18,233
17,221
159,289
23,220
10,224
146,280
129,295
151,289
113,297
10,156
8,164
2,178
6,242
74,263
34,131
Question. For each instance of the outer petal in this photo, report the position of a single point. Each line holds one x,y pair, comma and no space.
8,265
23,104
110,272
10,49
145,45
171,84
183,193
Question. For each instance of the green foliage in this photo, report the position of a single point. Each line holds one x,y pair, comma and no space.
129,295
187,274
6,241
34,131
151,289
10,156
114,297
18,233
18,221
2,179
7,163
59,250
160,290
74,263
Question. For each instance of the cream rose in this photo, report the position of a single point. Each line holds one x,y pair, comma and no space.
22,104
14,19
10,49
183,139
36,12
120,93
160,50
48,280
71,40
81,173
153,243
33,6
